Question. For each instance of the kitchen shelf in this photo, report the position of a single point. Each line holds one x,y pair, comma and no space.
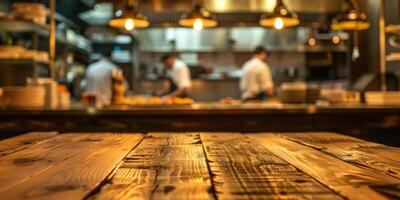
24,26
392,58
21,61
394,29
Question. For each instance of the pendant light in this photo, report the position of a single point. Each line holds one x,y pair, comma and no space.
128,18
352,19
280,18
198,17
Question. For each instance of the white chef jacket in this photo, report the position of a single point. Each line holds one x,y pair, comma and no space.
180,74
256,78
99,80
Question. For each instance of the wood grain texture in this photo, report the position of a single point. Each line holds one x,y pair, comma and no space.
162,166
348,180
18,143
68,166
355,151
243,169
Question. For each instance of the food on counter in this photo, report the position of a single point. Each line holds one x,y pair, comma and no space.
24,96
34,12
340,96
230,101
182,101
143,100
18,52
382,98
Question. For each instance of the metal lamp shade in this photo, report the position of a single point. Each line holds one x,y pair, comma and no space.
351,20
280,12
122,16
198,13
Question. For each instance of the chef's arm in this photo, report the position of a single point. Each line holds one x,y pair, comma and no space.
270,91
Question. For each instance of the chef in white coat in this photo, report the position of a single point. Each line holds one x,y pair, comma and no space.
99,79
256,82
179,77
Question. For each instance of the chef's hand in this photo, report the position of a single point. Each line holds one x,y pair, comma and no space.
166,99
270,92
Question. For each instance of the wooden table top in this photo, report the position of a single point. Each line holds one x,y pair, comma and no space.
48,165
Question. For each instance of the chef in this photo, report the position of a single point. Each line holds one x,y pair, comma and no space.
256,82
179,77
99,79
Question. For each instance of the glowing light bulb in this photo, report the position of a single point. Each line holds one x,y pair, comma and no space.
129,24
198,25
278,23
312,42
336,40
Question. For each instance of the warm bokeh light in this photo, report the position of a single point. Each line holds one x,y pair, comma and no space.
198,25
336,40
278,23
312,42
129,24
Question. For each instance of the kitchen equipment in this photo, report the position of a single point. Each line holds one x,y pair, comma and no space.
341,96
382,98
64,99
24,96
64,96
51,88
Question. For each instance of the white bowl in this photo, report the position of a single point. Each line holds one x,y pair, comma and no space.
24,96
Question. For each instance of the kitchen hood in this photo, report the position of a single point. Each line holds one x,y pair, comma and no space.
166,13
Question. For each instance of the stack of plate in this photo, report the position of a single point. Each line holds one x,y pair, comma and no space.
293,93
17,52
341,96
383,98
34,12
312,94
24,97
10,51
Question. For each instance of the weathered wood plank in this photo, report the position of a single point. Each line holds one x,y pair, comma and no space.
162,166
244,169
355,151
68,166
348,180
18,143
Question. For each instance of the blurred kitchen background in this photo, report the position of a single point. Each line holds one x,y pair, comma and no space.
311,52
